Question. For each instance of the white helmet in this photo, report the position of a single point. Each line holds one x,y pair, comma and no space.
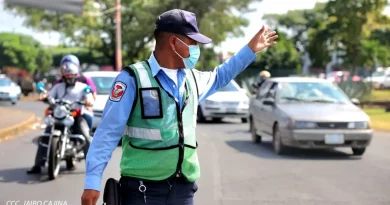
69,68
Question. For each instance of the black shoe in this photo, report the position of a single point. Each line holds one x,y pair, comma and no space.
34,170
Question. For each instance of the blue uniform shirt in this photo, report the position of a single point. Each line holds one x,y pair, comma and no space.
116,113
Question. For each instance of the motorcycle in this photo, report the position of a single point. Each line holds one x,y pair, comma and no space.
61,144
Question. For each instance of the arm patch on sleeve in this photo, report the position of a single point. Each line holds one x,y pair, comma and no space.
117,92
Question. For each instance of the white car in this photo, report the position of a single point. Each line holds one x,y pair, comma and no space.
380,79
230,101
103,81
9,90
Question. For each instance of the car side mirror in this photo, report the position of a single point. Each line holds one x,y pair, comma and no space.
268,102
355,101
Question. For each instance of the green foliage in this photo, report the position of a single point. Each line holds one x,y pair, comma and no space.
357,27
208,59
97,33
85,55
347,24
23,52
280,57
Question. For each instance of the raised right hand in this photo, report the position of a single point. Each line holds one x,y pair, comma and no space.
89,197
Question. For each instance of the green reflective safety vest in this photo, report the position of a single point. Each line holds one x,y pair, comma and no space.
159,140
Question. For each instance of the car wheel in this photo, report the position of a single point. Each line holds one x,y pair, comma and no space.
277,144
244,120
13,102
199,116
358,151
255,137
217,119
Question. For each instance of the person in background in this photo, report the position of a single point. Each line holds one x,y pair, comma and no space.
263,76
41,87
70,58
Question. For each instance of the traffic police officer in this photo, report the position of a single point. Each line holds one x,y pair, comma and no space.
152,108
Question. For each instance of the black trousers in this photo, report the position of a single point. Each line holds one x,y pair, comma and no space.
175,191
80,127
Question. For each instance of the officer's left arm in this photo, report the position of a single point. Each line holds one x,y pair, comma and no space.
211,82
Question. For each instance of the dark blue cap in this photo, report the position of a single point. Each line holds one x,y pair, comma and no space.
181,22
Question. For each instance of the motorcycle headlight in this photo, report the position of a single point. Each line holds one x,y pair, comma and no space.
59,112
68,121
358,125
305,125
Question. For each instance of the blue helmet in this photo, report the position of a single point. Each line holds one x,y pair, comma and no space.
70,58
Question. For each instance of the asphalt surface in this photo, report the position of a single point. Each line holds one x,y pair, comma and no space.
233,171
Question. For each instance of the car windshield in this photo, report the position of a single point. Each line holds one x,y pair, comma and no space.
229,87
4,82
103,84
378,74
310,92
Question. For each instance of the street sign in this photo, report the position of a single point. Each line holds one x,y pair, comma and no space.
66,6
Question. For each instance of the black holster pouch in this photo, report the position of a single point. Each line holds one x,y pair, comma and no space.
112,193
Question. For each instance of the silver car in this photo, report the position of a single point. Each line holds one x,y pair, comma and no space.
308,113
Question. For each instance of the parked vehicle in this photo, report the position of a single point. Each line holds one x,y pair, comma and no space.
229,101
380,79
9,90
62,144
308,113
103,81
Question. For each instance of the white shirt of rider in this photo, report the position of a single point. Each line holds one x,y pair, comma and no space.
71,93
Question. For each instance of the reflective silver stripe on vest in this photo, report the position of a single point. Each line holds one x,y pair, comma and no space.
143,75
143,133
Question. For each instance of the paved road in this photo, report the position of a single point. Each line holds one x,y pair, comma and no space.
234,172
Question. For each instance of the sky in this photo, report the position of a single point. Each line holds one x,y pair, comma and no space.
13,23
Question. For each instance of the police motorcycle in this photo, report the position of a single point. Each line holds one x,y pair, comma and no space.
61,144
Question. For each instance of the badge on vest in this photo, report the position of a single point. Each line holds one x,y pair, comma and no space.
151,106
117,91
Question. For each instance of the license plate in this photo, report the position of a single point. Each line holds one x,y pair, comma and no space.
334,139
231,110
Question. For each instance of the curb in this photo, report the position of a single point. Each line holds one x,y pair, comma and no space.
18,128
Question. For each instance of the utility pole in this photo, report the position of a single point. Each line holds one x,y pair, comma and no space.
118,47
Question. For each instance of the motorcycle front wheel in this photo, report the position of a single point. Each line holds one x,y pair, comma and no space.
54,158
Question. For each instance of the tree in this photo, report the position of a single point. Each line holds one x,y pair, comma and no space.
350,22
299,22
215,19
24,52
281,58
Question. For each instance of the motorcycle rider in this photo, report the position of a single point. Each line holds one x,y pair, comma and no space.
73,91
88,115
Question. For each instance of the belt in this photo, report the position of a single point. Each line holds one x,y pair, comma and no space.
179,177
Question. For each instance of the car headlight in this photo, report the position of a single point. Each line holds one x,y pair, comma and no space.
305,125
358,125
245,102
210,102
